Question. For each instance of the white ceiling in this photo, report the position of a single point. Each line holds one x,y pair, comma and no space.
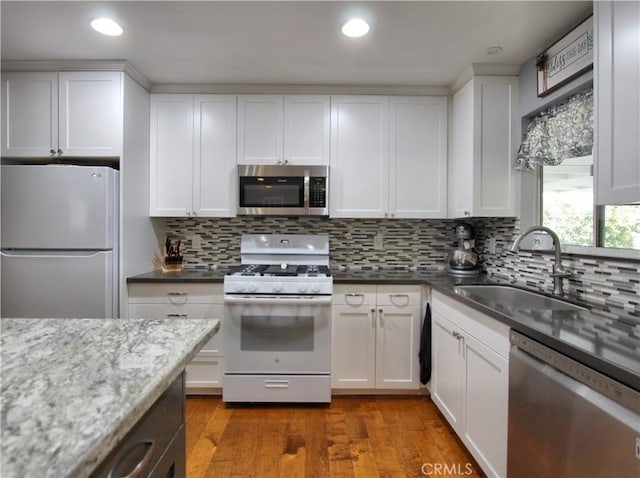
420,43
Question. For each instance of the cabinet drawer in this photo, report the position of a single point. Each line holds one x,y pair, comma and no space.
399,296
204,372
354,295
175,311
176,293
485,329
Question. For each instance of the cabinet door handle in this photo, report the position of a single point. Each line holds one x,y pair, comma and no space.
373,317
381,314
52,151
139,469
59,151
173,316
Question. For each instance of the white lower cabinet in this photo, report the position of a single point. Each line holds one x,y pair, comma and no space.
186,301
376,335
470,379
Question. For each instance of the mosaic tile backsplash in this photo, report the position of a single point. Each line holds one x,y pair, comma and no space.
414,243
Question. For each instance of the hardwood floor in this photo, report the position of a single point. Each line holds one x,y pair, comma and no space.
360,437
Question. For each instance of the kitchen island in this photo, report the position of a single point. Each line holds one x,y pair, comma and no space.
73,388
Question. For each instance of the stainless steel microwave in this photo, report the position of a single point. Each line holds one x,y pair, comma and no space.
283,190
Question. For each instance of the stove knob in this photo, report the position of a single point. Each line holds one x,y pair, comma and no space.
277,288
315,288
302,288
239,287
253,288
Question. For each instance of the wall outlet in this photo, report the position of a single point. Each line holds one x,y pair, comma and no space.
196,241
378,242
491,245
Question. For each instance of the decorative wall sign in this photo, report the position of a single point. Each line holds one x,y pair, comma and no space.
566,59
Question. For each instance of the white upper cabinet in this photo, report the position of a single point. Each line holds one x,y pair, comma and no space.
192,155
214,160
306,130
418,157
617,102
171,152
359,156
90,114
70,114
260,129
388,157
484,143
291,129
29,114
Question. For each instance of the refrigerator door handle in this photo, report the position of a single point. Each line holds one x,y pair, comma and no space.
45,253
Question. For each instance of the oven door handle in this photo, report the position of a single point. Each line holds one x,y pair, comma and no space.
278,300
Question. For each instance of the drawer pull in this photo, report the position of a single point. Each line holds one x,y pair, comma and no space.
124,468
395,299
276,383
180,294
173,316
352,299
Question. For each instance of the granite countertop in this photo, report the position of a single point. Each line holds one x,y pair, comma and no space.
606,338
73,388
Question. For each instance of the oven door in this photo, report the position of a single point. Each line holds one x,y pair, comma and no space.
277,335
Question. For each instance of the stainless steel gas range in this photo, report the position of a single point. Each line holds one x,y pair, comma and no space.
277,322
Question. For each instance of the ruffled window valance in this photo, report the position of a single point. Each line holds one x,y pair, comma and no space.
562,131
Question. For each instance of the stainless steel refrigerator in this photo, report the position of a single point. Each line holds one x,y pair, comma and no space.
59,241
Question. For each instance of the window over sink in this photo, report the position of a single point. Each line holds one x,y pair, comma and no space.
558,147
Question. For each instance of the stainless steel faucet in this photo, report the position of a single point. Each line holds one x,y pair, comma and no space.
558,272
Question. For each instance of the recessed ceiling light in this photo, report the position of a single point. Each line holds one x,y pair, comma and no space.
106,26
355,27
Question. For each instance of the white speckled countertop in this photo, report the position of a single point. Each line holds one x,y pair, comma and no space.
72,388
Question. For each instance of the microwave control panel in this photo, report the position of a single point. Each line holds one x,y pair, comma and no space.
318,192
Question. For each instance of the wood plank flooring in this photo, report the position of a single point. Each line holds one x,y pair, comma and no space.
359,437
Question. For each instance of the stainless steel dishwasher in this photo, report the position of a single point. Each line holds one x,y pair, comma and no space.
567,420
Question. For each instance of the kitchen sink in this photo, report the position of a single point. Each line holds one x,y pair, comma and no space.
509,296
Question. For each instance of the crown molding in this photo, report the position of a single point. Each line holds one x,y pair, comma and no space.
486,69
248,88
483,69
77,65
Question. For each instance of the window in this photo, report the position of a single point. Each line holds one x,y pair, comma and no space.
558,145
619,226
567,202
